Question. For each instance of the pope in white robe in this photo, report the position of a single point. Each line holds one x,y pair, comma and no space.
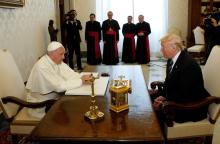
51,76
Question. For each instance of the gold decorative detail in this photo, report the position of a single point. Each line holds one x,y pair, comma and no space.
12,3
94,113
119,90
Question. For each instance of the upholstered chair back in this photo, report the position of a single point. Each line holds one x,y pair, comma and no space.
199,35
216,132
11,83
211,75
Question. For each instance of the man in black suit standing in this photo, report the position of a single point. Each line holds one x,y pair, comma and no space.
184,81
72,27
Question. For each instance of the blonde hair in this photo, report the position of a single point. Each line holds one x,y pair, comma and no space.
173,39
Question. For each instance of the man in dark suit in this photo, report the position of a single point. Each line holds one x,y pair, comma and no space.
72,27
212,33
184,81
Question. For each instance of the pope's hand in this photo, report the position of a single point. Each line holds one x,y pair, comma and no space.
86,79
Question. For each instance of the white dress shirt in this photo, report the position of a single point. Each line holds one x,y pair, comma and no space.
174,59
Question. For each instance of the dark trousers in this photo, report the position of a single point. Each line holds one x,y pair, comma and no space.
74,47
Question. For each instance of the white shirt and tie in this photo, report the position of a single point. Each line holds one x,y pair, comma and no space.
173,61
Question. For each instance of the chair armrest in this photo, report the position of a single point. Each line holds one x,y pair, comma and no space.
157,84
156,88
22,103
169,107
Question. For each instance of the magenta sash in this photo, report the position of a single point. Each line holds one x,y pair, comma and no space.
115,41
97,48
131,36
147,45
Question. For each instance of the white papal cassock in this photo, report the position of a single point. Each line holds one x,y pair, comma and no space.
46,79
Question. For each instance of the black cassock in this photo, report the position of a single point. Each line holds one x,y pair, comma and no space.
128,53
93,37
143,46
110,30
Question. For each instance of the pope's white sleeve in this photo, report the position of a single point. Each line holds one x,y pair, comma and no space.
56,83
70,84
68,73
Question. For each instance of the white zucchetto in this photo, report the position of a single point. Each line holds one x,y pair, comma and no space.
54,45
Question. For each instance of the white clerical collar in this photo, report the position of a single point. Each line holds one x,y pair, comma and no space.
174,59
51,61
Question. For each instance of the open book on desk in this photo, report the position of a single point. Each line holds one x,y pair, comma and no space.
100,86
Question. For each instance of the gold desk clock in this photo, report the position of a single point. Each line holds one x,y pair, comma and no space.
119,90
94,113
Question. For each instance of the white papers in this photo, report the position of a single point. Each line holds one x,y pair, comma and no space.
100,86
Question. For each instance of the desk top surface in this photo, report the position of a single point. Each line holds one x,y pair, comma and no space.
65,120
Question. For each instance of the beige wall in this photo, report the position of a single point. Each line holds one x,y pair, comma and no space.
178,15
24,32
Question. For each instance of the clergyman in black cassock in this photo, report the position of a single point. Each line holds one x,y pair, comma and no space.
110,29
143,46
93,37
129,31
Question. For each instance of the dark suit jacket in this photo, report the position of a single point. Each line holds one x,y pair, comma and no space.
184,85
72,30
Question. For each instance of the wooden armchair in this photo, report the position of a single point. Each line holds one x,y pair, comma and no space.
216,133
13,97
204,127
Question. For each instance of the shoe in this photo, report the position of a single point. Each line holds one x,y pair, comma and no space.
80,68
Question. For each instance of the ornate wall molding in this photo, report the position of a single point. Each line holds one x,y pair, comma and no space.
11,3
